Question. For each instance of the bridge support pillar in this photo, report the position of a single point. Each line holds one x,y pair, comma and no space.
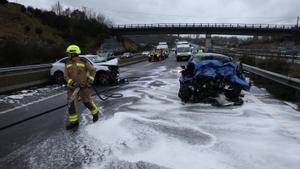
298,98
208,42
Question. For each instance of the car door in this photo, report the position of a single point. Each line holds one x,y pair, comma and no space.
61,64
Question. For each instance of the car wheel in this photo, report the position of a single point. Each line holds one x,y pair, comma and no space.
185,93
177,59
59,77
103,78
233,92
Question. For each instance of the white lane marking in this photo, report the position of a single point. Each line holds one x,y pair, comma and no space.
149,64
31,103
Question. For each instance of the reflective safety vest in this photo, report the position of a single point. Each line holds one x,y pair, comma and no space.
76,71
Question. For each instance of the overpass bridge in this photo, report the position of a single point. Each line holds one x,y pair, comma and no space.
207,28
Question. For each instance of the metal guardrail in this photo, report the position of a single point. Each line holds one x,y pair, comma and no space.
22,68
261,55
132,60
14,78
205,25
285,80
288,58
37,66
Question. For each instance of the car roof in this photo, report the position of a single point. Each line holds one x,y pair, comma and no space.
87,55
183,45
212,56
82,56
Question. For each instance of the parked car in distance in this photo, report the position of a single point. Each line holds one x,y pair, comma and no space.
126,55
146,53
107,69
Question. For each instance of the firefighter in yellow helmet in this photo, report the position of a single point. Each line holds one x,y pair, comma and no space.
76,70
200,51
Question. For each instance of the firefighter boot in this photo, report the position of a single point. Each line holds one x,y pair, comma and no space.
73,121
94,110
73,126
95,117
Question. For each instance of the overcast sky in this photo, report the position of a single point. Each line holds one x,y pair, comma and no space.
185,11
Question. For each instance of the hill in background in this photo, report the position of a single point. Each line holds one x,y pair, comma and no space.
34,36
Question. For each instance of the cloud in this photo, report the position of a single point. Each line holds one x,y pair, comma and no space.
186,11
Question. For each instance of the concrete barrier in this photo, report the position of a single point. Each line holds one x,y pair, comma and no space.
18,79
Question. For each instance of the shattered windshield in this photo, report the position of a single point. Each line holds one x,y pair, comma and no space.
97,59
183,49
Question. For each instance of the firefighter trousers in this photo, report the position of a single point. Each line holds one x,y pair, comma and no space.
86,97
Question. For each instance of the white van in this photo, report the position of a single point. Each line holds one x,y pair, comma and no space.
183,52
162,43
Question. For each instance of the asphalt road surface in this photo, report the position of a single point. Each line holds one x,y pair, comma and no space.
149,128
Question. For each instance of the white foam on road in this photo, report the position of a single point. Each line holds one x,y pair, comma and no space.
175,154
31,103
160,130
23,93
152,129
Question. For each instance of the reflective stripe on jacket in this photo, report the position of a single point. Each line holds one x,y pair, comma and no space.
77,69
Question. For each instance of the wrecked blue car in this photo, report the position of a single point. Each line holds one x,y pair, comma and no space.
208,75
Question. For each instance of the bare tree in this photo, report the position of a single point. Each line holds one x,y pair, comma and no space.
85,11
57,8
100,18
108,22
93,15
67,12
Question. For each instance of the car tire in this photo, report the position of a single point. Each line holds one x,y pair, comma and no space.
177,59
103,78
59,77
185,93
233,92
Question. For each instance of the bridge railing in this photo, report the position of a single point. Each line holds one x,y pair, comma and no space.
203,25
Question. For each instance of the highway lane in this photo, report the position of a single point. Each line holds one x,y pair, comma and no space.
35,101
150,128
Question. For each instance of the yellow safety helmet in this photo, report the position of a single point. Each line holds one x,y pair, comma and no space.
200,51
73,49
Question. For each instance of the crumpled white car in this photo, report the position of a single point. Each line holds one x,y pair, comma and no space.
107,69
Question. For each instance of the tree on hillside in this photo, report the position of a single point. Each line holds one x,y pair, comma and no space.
27,29
23,9
100,18
2,2
57,8
78,15
67,12
38,31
